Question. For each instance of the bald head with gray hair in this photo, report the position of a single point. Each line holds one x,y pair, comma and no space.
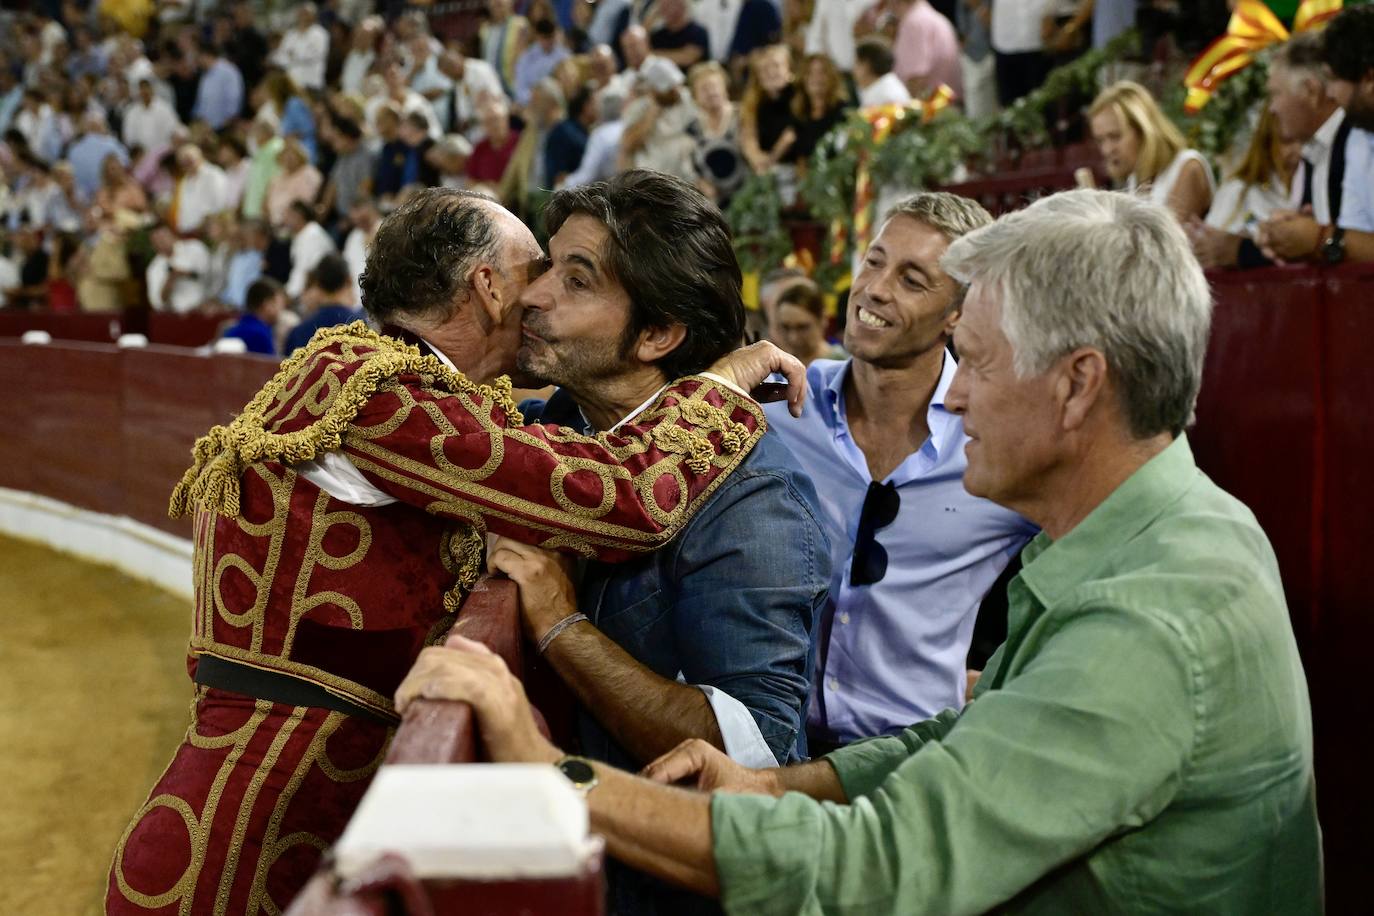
1103,270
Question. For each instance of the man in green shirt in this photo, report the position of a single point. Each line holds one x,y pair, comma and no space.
1141,742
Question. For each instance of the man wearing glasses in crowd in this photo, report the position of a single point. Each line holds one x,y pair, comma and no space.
912,553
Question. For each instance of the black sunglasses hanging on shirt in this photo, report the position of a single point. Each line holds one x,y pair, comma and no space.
880,510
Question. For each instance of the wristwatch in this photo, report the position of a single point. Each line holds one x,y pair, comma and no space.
579,772
1333,249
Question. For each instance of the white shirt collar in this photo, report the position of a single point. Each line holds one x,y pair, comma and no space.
1319,147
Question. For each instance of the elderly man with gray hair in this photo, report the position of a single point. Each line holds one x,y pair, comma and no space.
1141,742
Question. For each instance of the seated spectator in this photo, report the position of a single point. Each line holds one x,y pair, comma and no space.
680,38
61,291
247,47
470,79
570,76
1145,732
503,36
660,125
150,121
1348,231
201,190
32,291
362,54
222,238
1257,189
719,161
175,276
88,153
878,85
246,262
492,153
262,168
402,98
525,173
925,52
758,25
601,158
232,156
309,244
818,104
296,180
568,140
538,60
220,94
328,302
799,324
973,19
402,161
449,160
304,49
355,164
287,111
601,66
118,189
364,217
1144,150
634,51
767,131
102,267
263,304
66,205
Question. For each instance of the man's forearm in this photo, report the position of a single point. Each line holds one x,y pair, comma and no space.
658,829
1359,246
647,714
817,779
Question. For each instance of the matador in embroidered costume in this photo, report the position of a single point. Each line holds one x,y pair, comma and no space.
309,610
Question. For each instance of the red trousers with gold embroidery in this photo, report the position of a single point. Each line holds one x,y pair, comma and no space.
237,823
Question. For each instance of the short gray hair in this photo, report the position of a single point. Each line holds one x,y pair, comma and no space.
1105,270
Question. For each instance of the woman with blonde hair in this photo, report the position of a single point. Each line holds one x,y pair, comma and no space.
767,125
1257,188
1144,151
1260,185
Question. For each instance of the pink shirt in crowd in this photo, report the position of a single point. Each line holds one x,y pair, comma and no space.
927,50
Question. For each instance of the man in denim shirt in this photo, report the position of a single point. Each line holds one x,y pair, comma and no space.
710,636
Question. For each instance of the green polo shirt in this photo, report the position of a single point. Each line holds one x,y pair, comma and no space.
1142,742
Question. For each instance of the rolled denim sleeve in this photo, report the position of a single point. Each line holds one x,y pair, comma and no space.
752,572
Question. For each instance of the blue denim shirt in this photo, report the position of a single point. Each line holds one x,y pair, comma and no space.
729,603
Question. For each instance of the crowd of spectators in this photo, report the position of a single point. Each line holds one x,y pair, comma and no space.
176,158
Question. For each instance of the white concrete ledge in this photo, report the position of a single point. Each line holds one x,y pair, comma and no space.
132,547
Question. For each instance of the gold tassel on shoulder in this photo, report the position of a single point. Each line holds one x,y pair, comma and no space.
221,455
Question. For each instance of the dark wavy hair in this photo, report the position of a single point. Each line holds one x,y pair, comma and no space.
418,266
669,248
1348,43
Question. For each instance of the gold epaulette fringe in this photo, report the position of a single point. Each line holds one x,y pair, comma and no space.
222,454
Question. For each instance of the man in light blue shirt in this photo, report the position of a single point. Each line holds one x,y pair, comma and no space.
538,60
88,153
219,97
912,554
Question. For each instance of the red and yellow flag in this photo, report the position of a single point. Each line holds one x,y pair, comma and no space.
1253,27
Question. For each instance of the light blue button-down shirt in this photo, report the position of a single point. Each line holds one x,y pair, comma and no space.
897,647
1357,195
219,97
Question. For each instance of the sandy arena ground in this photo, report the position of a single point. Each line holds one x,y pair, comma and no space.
93,700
